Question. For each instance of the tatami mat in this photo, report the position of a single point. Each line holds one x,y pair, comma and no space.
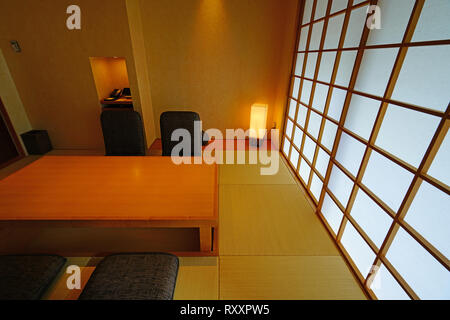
286,278
198,279
269,220
230,174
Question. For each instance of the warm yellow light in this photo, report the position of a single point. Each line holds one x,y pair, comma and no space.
258,121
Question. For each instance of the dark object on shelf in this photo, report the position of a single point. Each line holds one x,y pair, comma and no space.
126,93
119,99
123,133
27,277
115,94
37,141
129,276
173,120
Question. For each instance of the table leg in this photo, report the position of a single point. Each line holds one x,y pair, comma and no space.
205,239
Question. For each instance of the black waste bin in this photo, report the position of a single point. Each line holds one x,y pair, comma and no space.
37,141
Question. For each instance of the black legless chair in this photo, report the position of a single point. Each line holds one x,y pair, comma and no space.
170,121
123,133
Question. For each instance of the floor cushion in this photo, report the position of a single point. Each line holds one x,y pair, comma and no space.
133,276
27,277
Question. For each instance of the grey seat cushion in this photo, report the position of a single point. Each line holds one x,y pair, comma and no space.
25,277
133,276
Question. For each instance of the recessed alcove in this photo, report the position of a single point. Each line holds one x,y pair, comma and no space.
110,73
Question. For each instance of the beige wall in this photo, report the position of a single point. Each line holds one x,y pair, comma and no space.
11,100
218,57
285,66
140,60
53,74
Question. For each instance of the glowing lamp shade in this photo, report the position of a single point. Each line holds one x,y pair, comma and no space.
258,121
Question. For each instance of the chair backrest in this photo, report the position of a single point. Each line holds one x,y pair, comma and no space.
123,133
172,120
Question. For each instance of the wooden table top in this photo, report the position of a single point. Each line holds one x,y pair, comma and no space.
109,188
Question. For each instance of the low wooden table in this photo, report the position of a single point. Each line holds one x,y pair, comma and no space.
96,191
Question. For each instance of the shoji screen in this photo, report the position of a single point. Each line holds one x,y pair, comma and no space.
366,131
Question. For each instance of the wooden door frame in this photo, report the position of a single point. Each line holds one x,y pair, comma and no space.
13,134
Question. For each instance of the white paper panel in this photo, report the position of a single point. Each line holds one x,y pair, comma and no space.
429,215
303,38
336,103
329,135
334,32
340,185
314,124
311,63
355,28
339,5
361,115
350,153
298,137
321,9
309,148
316,186
440,167
345,68
433,21
426,276
307,11
371,218
326,66
292,108
301,117
425,77
322,162
299,64
304,171
320,97
295,88
386,287
406,133
394,19
289,127
375,71
306,91
294,158
332,213
286,146
316,36
358,249
387,180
